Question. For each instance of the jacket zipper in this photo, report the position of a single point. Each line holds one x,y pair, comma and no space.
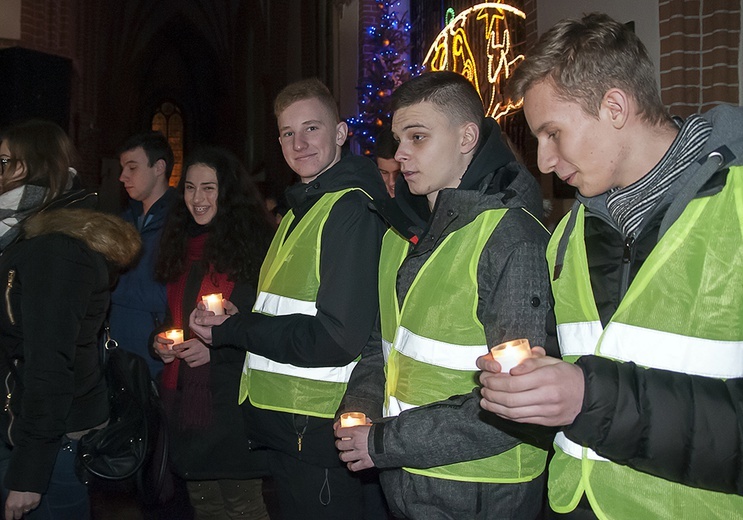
7,408
629,243
8,287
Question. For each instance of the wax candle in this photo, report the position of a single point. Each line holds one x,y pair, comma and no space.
213,303
353,419
511,353
176,335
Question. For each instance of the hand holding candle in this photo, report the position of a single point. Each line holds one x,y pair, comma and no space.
511,353
353,449
213,302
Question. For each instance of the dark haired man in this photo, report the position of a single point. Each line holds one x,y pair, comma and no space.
465,271
139,303
384,153
647,276
315,309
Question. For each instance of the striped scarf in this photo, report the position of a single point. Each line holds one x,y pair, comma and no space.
628,206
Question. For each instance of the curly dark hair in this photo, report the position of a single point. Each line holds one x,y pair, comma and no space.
240,232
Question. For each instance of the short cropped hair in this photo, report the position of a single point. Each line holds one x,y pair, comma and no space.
451,92
155,146
305,89
386,145
583,59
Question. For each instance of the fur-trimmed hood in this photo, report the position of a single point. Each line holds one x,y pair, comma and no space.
117,240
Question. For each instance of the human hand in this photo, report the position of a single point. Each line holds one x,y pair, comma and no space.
229,307
163,348
353,446
201,321
20,503
193,352
541,390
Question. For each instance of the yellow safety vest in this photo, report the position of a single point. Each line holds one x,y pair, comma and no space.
682,313
432,342
288,284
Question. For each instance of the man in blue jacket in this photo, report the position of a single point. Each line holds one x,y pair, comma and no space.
138,303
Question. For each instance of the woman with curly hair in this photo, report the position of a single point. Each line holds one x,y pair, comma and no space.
214,241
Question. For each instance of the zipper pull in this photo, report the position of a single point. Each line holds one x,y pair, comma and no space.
299,442
629,242
8,308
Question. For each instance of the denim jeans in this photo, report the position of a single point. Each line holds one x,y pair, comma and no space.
66,498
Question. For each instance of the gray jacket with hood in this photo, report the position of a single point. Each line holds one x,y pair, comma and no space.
514,299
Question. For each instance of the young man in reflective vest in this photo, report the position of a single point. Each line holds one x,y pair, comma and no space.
316,306
464,272
647,276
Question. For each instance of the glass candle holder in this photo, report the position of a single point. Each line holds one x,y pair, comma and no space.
511,353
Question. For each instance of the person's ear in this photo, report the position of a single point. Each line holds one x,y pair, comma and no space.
160,166
341,133
470,137
615,107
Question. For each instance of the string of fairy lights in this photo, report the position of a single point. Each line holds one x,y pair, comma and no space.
484,27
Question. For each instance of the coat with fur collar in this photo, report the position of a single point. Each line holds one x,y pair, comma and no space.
57,289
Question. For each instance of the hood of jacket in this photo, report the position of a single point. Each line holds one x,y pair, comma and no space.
493,179
351,171
118,241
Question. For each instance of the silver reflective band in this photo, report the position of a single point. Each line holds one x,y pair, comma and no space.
327,374
275,305
669,351
395,406
438,353
576,450
386,349
579,339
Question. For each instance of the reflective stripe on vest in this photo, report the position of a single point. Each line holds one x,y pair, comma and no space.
680,313
288,284
436,338
275,305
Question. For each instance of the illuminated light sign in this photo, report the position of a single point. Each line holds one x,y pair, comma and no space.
475,36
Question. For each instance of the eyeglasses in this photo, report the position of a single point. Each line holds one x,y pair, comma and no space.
4,161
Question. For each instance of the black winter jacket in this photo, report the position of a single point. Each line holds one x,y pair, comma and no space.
346,306
679,427
59,279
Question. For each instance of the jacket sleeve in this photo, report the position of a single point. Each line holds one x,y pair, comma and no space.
346,300
57,281
680,427
514,299
365,390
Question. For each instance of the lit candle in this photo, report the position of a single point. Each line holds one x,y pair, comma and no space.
511,353
176,335
353,419
213,303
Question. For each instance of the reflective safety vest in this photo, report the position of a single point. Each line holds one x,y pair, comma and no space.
432,342
288,284
682,313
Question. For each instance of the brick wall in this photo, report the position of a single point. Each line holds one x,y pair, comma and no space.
699,54
369,14
48,26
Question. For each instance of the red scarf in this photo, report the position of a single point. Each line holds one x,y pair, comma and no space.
194,381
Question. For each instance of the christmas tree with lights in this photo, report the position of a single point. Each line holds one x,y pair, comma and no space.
387,69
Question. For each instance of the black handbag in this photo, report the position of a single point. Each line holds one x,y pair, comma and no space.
133,446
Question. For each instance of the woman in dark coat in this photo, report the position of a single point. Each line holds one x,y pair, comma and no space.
57,271
214,241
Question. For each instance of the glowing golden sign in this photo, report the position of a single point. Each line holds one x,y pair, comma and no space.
477,35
